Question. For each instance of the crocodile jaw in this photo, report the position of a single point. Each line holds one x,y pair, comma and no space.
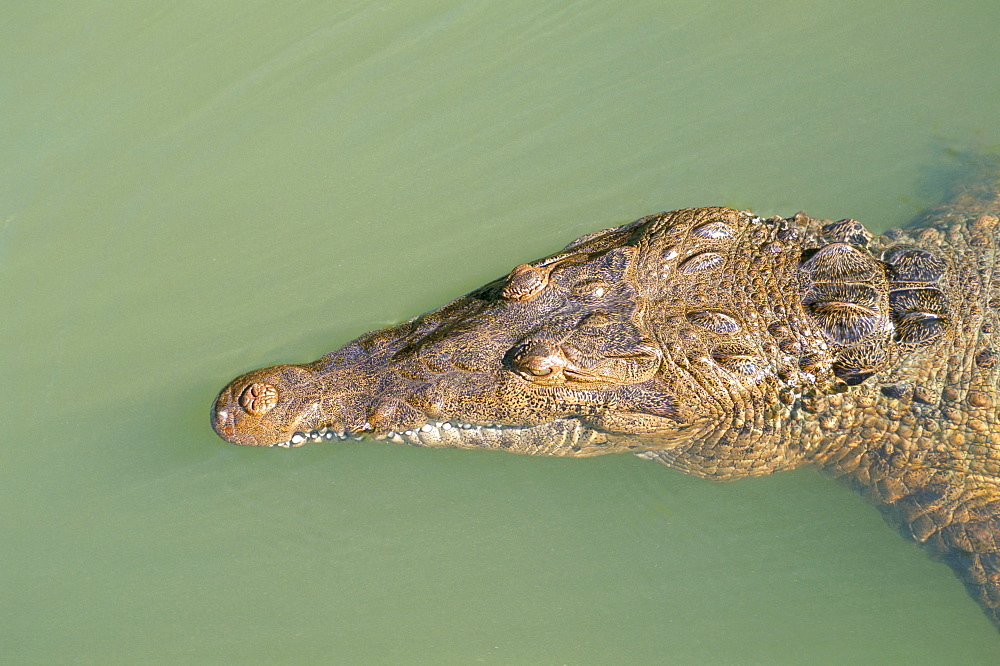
331,400
281,406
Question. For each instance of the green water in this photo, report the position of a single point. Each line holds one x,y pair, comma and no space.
190,190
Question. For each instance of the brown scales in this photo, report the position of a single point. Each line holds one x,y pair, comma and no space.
717,343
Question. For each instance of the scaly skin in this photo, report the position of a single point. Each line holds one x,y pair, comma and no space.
716,343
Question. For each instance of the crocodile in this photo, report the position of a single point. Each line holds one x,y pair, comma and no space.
715,342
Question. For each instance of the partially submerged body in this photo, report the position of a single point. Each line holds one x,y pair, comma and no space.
712,341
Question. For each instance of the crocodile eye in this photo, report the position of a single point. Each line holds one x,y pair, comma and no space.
258,398
538,358
525,282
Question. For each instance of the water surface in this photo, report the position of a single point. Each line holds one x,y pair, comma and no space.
190,190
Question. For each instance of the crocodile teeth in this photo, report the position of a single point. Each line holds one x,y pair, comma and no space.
315,435
439,430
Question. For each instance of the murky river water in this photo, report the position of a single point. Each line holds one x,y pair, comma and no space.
190,190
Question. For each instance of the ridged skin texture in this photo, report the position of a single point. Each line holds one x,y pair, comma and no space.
714,342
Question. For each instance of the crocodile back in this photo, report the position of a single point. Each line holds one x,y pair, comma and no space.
921,438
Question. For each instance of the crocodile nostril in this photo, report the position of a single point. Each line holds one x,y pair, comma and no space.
258,398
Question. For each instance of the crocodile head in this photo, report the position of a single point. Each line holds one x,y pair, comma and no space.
574,354
556,355
651,336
